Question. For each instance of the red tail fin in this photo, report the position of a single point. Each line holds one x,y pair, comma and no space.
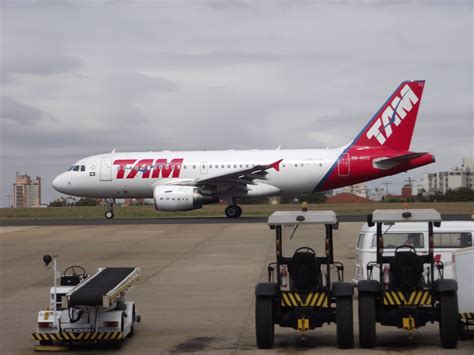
393,124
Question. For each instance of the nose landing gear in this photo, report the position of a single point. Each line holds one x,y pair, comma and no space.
109,214
233,211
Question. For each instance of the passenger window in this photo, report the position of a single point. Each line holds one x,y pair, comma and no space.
452,240
394,240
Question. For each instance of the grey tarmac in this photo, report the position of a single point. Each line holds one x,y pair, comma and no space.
196,293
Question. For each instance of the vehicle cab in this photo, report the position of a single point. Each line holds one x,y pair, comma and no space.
449,237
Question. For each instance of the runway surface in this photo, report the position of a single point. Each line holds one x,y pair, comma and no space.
177,220
196,293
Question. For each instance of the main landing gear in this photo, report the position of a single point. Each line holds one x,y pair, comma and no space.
109,214
233,211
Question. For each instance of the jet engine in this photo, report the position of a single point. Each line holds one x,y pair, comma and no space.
180,198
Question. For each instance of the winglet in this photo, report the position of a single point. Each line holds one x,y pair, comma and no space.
276,165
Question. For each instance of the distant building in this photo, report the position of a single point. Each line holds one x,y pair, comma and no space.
377,194
443,181
26,192
406,194
360,190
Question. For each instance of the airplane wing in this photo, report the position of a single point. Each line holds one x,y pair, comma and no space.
387,163
236,180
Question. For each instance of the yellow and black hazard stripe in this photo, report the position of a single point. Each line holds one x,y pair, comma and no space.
85,336
466,316
415,298
312,299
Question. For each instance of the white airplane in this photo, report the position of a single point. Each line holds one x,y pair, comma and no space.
183,181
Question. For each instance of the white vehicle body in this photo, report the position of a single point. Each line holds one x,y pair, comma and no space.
448,238
464,275
182,181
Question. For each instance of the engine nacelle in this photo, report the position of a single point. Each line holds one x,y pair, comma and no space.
179,198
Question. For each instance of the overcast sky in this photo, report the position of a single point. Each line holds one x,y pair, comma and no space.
83,77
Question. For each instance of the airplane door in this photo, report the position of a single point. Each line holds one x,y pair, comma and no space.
203,168
343,165
106,169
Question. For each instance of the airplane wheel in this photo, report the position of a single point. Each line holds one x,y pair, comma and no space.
109,214
233,211
240,210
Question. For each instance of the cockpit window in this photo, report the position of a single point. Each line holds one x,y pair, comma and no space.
77,168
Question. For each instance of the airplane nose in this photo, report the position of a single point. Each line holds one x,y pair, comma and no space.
59,183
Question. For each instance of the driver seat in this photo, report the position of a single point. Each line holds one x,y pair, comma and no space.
305,271
406,271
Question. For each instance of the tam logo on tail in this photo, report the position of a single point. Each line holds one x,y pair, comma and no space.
394,113
393,125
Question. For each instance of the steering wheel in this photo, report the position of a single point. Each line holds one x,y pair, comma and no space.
306,249
75,270
411,249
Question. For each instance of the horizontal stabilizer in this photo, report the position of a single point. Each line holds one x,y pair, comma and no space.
387,163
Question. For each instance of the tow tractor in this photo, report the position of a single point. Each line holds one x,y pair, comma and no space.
408,295
88,309
298,293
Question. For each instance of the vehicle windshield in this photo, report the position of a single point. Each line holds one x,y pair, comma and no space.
303,235
395,240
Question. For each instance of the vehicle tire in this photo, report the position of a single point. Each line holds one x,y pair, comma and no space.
116,344
367,334
46,342
109,214
462,331
448,319
232,211
344,323
132,326
264,327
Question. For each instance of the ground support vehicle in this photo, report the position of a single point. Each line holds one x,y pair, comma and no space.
451,236
463,267
408,295
88,309
298,293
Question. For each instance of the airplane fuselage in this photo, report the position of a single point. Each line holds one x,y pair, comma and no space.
135,174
